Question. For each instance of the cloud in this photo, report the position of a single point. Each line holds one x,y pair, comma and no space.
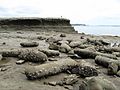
78,11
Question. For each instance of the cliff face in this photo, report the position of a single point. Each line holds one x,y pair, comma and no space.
45,24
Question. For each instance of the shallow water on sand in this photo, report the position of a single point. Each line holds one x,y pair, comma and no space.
99,30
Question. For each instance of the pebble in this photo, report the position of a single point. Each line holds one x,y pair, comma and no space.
52,83
20,61
62,35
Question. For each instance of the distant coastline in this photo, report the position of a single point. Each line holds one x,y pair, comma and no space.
78,24
95,25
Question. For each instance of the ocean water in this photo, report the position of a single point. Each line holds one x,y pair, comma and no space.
99,30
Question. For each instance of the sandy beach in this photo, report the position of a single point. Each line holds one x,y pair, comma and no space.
12,75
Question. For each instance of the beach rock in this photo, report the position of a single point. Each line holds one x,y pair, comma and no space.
112,69
20,61
33,56
3,69
19,32
94,42
4,43
64,48
85,53
52,40
99,83
99,42
85,71
29,44
52,83
74,56
41,38
52,59
104,42
67,80
116,53
81,85
48,69
118,73
92,48
105,61
62,42
50,53
63,35
69,40
70,80
71,52
91,54
74,44
11,53
53,46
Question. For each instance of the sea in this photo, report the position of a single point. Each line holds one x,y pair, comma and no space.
113,30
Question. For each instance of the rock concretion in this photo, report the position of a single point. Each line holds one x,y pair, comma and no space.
85,71
52,68
105,61
10,53
33,56
50,53
29,44
90,54
64,48
99,83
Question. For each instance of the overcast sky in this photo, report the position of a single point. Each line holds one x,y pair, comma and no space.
78,11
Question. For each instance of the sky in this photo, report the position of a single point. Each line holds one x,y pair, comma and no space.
93,12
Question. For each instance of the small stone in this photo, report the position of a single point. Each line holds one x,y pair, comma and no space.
41,38
62,35
52,83
82,37
20,61
60,83
68,87
3,69
20,32
52,59
3,43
